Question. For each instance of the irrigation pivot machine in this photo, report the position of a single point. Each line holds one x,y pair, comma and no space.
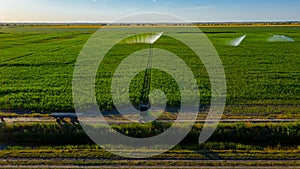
145,104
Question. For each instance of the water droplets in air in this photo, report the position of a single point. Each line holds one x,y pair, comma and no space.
148,38
237,41
280,38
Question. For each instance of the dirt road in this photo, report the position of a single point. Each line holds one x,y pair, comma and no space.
73,163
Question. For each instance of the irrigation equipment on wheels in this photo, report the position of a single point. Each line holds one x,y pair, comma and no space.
145,104
144,99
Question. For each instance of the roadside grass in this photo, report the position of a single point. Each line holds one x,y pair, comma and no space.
238,136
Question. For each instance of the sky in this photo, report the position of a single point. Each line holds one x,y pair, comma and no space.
109,10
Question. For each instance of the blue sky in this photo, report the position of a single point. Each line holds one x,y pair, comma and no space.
107,10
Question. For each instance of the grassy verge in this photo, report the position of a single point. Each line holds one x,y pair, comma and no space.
264,134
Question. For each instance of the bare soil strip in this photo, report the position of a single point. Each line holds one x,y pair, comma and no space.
150,167
242,164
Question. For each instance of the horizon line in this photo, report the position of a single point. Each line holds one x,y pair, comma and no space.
158,22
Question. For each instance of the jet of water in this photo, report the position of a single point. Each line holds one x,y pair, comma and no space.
280,38
148,38
237,41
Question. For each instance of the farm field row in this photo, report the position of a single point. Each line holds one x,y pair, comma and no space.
92,156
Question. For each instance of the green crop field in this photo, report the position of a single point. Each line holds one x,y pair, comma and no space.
37,64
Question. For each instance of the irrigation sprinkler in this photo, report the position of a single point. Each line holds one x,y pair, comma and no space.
280,38
236,42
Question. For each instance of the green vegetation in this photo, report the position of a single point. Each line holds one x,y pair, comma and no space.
37,66
239,134
240,144
15,115
84,156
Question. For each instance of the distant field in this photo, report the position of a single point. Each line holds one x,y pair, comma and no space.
36,65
